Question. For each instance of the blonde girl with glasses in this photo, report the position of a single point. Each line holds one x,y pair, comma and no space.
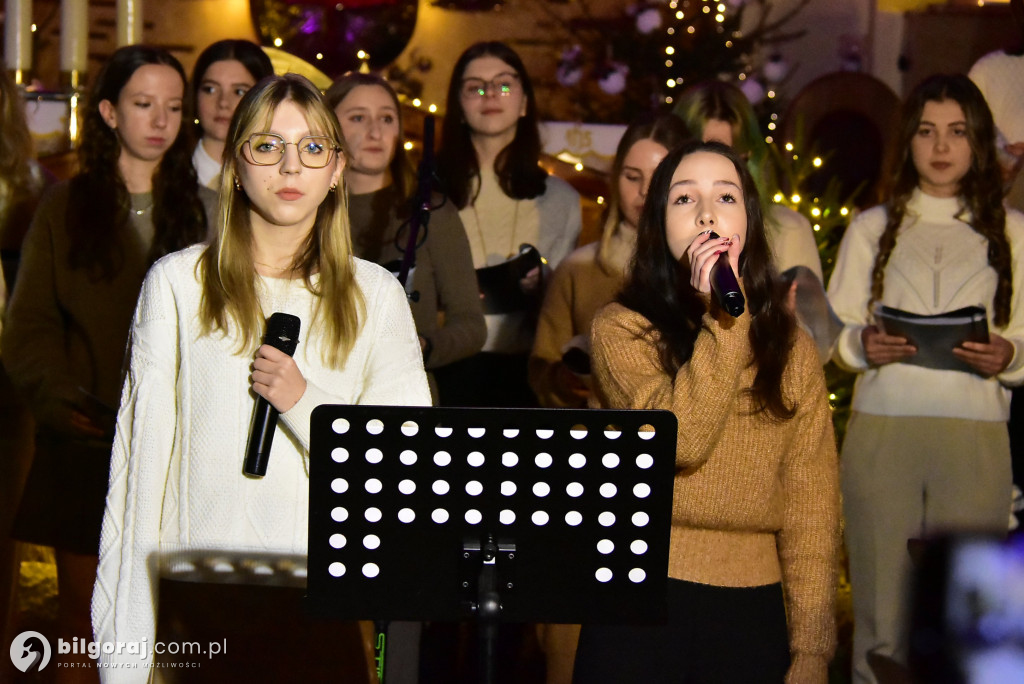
489,166
281,244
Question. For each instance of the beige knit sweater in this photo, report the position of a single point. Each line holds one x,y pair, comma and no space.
756,499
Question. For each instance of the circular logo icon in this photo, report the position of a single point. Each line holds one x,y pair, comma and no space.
30,651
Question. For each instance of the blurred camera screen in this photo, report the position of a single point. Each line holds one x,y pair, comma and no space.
985,609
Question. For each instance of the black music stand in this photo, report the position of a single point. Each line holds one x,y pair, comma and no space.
529,515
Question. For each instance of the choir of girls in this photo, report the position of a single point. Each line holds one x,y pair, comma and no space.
175,241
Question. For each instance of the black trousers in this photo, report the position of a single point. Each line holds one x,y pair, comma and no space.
714,635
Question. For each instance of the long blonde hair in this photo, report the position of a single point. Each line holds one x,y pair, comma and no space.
228,271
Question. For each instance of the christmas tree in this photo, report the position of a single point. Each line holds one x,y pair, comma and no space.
617,66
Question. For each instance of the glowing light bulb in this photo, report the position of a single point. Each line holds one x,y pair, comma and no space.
795,199
816,161
278,42
844,211
789,147
579,166
432,108
408,146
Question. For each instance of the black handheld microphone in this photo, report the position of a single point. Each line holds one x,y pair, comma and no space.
724,285
283,334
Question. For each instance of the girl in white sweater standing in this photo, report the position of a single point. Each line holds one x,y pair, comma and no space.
281,245
926,450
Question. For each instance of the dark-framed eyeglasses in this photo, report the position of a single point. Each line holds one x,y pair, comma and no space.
267,149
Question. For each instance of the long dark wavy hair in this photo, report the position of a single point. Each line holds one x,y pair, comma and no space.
98,205
250,55
981,189
517,168
403,176
658,286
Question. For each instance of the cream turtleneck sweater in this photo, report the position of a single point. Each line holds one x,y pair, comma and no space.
939,264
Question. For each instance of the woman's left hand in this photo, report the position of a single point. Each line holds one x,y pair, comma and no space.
988,359
277,378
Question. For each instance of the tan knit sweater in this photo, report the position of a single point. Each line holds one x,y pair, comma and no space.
756,499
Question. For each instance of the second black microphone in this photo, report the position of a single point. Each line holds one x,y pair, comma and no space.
724,284
283,334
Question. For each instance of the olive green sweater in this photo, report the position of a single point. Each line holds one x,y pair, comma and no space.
756,499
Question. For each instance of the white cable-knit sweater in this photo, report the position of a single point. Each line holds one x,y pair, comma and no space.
939,264
176,477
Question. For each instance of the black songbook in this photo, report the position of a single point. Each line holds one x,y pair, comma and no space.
499,284
937,335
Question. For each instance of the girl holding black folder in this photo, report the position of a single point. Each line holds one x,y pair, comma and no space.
926,450
489,165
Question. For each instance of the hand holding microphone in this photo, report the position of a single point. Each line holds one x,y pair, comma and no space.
721,278
279,384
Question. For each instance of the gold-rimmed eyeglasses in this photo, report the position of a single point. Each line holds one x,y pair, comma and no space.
502,85
267,149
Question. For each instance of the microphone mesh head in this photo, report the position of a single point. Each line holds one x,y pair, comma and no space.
283,332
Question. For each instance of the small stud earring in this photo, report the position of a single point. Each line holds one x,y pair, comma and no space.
334,186
238,185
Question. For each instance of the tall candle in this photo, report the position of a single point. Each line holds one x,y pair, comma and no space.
129,22
74,35
18,35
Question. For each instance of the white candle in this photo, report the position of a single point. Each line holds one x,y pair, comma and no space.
18,35
74,35
129,22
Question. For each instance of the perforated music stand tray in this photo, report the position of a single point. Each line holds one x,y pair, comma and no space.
570,509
